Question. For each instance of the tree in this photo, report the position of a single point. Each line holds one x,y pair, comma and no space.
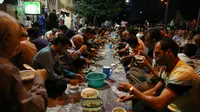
99,8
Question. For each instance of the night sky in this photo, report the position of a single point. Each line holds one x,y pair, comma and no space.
154,10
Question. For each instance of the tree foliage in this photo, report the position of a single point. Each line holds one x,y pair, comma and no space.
99,8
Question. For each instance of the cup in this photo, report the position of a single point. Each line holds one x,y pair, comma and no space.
107,70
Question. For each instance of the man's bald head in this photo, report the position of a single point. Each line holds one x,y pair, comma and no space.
10,33
197,39
78,41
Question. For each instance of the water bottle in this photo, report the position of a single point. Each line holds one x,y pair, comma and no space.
110,45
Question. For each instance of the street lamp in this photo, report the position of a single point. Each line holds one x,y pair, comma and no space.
166,10
127,1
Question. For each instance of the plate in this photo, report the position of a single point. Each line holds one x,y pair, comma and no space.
86,70
27,75
93,69
172,107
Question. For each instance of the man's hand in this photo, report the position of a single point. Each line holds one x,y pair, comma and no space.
143,63
79,77
83,47
89,61
124,87
74,82
126,98
43,73
115,53
93,50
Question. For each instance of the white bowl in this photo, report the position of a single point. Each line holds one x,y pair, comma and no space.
27,75
73,87
89,93
119,109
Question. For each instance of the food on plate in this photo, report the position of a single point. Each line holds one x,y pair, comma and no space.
89,93
27,74
73,87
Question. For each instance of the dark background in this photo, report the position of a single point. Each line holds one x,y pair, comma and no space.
13,2
154,10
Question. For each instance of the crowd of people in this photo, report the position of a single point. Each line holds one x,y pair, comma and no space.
166,75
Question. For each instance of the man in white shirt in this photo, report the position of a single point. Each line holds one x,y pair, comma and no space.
50,35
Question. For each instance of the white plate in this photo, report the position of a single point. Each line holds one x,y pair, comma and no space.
172,107
93,69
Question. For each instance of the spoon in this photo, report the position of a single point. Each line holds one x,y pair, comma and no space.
28,67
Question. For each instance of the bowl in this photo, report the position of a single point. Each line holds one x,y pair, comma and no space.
96,79
119,109
27,75
139,58
73,87
92,105
89,93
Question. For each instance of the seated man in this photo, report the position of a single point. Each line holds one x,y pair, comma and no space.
34,35
26,52
72,59
189,52
89,34
50,35
180,82
134,45
13,95
47,59
123,45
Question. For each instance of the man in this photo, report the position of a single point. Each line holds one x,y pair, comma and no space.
50,35
13,95
47,59
53,20
69,33
144,81
80,48
41,21
26,51
75,20
72,59
188,54
34,35
88,35
180,82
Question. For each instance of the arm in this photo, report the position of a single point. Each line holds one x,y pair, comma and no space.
32,101
156,102
124,49
150,92
153,70
47,63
